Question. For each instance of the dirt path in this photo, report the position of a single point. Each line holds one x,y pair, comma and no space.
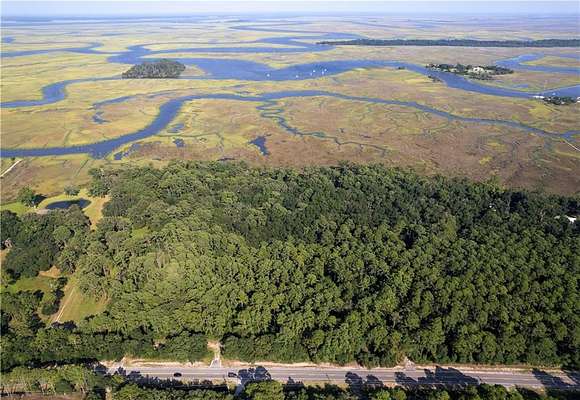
574,147
215,347
10,168
70,296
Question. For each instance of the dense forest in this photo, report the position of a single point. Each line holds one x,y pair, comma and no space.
341,264
155,70
456,42
94,386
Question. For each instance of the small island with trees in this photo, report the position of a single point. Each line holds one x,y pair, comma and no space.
161,69
483,72
558,100
456,42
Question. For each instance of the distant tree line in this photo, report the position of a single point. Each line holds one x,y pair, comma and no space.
342,264
455,42
155,70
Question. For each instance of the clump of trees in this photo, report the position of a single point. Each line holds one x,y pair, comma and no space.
161,69
26,340
485,72
132,391
71,190
40,241
51,300
559,100
343,264
456,42
28,197
51,381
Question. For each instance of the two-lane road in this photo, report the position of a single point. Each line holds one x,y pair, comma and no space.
447,376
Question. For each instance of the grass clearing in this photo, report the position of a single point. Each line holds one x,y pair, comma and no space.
48,175
33,284
75,306
555,61
95,210
16,207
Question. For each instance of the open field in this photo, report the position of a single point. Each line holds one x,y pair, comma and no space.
75,306
556,61
48,175
23,77
534,81
33,284
300,131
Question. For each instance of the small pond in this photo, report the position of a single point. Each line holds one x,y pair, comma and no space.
260,142
64,204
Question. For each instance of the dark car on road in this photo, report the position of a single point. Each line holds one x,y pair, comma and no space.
232,375
177,375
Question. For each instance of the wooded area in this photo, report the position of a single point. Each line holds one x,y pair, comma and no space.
155,70
341,264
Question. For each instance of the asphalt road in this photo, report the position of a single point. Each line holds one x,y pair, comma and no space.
357,376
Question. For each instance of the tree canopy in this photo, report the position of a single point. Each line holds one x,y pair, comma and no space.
156,69
341,264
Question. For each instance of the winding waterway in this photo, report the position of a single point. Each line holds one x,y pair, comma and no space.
169,110
235,69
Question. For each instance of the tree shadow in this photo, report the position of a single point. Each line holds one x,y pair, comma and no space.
167,383
100,369
555,382
352,380
446,377
68,325
373,383
574,376
529,394
253,375
449,377
294,385
38,198
405,381
356,383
